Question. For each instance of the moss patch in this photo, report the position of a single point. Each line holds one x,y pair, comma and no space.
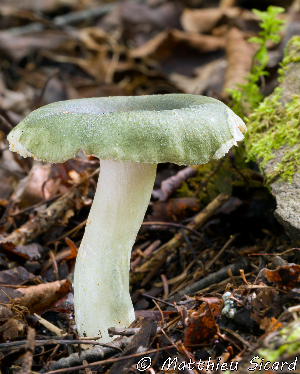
273,125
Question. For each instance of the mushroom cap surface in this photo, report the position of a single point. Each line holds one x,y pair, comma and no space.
178,128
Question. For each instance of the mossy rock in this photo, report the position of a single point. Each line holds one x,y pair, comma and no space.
273,140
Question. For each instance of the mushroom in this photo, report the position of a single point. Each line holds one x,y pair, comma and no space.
130,135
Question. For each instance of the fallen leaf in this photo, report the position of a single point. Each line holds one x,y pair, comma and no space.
162,45
201,326
165,211
239,54
12,329
15,276
35,299
211,76
286,276
37,187
266,304
270,324
29,251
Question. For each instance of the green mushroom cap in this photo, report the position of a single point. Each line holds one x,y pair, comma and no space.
177,128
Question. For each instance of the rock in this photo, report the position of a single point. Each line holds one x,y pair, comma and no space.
274,127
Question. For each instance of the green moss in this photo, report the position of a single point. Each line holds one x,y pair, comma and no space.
273,125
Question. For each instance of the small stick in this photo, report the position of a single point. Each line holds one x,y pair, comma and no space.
162,253
28,356
54,265
108,361
229,241
41,343
159,300
229,272
236,335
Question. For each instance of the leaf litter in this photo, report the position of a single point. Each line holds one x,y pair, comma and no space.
209,230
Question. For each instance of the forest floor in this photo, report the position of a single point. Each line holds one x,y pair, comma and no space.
209,229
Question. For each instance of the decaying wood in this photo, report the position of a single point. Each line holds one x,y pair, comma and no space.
161,254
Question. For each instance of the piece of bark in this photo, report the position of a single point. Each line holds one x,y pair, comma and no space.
161,254
90,355
239,54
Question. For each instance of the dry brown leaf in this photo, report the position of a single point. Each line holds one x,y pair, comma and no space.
162,45
201,20
270,324
17,47
36,187
286,276
178,208
15,276
12,329
69,213
72,199
239,54
201,325
266,304
41,297
73,247
209,76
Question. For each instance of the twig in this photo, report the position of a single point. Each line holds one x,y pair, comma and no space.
123,332
162,253
40,343
4,122
6,212
187,240
35,205
54,265
67,233
48,217
65,368
28,356
229,241
159,300
177,225
242,263
237,336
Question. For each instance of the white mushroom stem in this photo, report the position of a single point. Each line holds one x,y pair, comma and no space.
101,280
